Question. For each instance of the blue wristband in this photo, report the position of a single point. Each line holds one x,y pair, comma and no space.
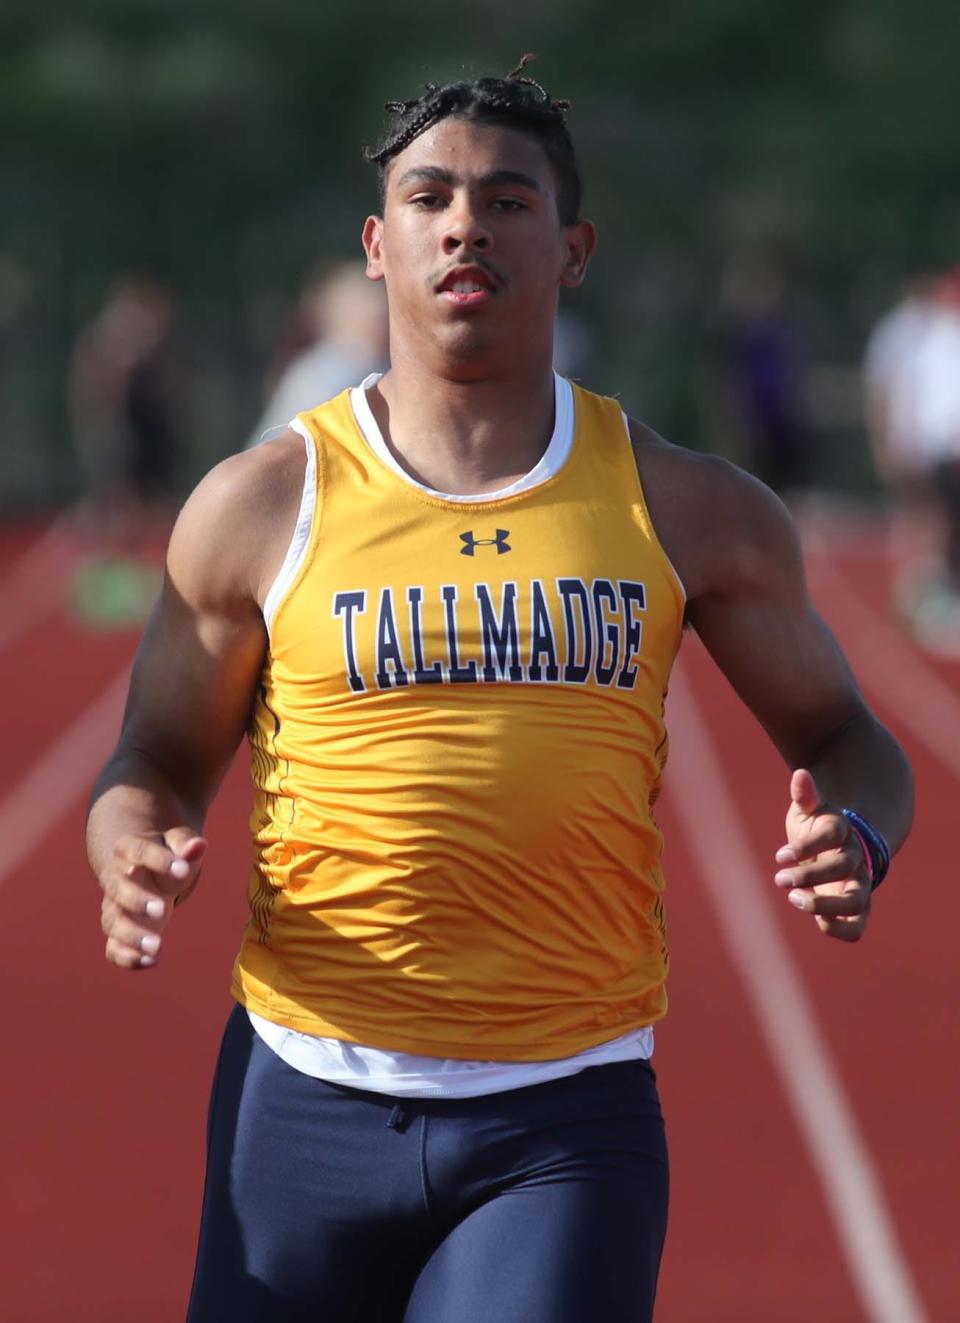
877,847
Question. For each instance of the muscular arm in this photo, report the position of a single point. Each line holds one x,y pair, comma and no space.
759,625
192,687
738,553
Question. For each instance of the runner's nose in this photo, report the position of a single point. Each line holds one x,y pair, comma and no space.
465,231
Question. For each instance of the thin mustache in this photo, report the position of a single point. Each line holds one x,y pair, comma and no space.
477,262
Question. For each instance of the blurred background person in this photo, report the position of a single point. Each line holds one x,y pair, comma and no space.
912,388
945,358
894,417
338,336
123,404
763,350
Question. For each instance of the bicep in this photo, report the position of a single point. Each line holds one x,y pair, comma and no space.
191,690
774,647
737,552
197,667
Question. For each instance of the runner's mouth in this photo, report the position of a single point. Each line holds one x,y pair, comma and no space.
467,286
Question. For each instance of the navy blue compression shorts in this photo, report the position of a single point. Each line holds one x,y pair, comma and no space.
327,1204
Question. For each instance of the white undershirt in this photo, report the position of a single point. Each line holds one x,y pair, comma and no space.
408,1076
404,1074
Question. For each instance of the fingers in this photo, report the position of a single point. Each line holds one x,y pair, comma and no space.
811,828
186,844
126,957
826,851
148,872
837,865
844,930
190,850
164,863
132,890
846,900
841,910
131,943
822,868
803,792
813,836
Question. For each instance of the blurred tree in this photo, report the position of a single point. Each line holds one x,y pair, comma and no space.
219,148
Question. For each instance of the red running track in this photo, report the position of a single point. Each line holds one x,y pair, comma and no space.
103,1113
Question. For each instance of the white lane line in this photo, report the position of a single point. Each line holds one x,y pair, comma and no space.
31,588
891,670
59,778
743,900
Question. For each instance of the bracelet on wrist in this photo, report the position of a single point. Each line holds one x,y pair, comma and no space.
876,851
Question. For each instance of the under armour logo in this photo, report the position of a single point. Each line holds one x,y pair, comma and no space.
470,543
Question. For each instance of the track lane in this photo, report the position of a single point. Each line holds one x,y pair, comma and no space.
903,1002
885,1005
105,1124
750,1236
744,799
50,676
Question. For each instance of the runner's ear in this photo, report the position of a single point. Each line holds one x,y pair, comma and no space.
581,240
373,246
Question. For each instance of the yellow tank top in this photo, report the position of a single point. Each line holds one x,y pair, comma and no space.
456,744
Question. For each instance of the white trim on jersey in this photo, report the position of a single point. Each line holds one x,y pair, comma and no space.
301,534
551,461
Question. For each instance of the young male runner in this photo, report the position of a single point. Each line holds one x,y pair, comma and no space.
444,607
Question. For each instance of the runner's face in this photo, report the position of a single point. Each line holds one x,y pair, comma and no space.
471,246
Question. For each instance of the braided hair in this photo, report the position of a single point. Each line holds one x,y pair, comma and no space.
515,102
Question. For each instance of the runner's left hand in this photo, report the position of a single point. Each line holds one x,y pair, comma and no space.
822,867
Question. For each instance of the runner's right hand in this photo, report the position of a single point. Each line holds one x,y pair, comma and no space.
147,874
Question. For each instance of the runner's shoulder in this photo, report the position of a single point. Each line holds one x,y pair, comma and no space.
236,524
721,527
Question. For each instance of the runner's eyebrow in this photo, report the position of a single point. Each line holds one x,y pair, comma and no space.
436,174
510,177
